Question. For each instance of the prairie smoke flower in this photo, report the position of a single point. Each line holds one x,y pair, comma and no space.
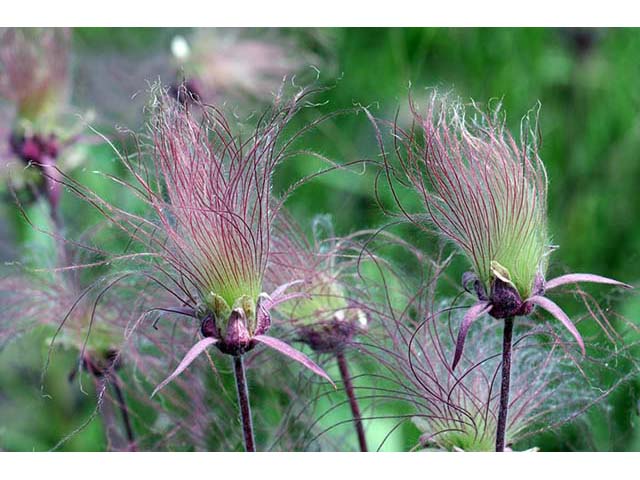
34,93
53,300
459,409
225,63
208,236
486,192
323,317
35,70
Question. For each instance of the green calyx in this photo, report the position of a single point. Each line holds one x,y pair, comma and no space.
513,245
518,270
81,332
326,298
221,311
463,435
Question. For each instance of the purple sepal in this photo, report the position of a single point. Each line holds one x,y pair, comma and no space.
263,317
472,284
583,277
191,355
208,327
237,332
557,312
293,354
471,316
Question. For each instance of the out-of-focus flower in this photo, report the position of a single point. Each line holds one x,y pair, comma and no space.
241,67
221,64
325,318
34,71
54,300
39,136
101,323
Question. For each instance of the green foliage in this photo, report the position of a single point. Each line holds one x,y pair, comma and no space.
590,124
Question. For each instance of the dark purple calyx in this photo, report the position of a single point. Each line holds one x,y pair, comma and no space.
330,336
235,338
504,297
100,365
506,302
187,92
208,327
35,149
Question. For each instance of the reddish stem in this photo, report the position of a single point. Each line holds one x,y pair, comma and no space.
353,401
504,387
124,411
243,403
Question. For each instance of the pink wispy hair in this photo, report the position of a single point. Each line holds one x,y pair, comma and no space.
486,192
219,203
482,188
325,265
233,63
209,192
206,233
550,385
34,64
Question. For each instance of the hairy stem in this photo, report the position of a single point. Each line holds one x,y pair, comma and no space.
124,411
504,387
243,403
353,401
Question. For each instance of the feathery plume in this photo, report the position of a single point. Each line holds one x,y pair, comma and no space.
486,192
36,129
323,316
207,234
459,409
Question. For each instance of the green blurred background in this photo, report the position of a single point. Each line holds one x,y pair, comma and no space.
587,83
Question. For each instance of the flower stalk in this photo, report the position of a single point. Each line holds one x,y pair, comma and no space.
353,401
105,372
244,404
503,411
486,191
124,412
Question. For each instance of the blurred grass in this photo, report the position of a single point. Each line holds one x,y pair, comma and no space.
587,83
